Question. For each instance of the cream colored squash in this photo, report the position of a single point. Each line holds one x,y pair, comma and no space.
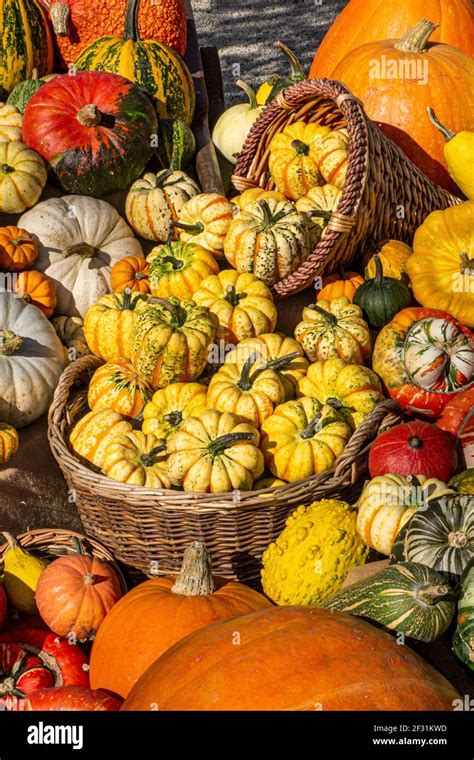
80,238
22,177
10,123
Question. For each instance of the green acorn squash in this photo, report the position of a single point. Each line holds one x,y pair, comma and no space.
463,640
407,598
382,297
441,536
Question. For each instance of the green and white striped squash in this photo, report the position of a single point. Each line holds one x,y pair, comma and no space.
441,536
176,144
26,42
463,639
149,64
407,598
21,94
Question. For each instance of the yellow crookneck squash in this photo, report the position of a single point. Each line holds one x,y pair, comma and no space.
170,406
353,389
334,329
293,160
171,341
137,459
116,385
215,452
268,238
109,325
247,388
178,269
242,304
441,268
283,355
303,438
205,220
459,155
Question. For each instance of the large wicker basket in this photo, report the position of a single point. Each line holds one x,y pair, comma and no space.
385,196
148,530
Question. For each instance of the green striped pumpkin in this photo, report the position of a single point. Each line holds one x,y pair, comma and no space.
26,42
407,598
441,536
151,65
176,144
463,640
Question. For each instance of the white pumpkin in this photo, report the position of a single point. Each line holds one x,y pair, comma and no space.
31,361
80,239
233,126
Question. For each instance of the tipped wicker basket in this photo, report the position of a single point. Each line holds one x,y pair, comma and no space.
385,196
148,530
52,543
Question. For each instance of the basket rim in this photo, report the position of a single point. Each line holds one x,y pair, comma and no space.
188,501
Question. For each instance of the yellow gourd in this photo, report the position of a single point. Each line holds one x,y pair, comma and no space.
9,442
21,572
459,155
312,556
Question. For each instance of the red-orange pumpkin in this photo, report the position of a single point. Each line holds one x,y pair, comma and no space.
363,21
456,411
397,80
74,594
158,613
291,658
71,698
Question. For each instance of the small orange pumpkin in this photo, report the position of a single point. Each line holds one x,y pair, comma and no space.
37,289
342,284
18,250
116,385
130,272
75,592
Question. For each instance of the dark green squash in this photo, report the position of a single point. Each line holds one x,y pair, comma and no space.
407,598
441,536
21,94
382,297
176,144
463,639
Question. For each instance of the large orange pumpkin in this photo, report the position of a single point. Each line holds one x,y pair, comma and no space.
74,594
158,613
78,22
397,80
364,21
291,658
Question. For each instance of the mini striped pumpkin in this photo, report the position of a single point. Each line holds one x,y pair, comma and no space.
149,64
117,386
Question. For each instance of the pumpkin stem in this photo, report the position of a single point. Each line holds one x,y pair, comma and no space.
161,179
297,73
149,459
267,213
78,547
313,427
130,31
233,297
283,361
7,169
194,229
26,297
457,539
326,215
217,446
176,263
245,381
447,134
89,116
341,270
9,342
336,403
195,577
89,579
415,442
301,148
249,92
431,595
173,418
59,14
21,239
140,275
414,41
379,277
331,318
467,264
80,249
127,299
11,540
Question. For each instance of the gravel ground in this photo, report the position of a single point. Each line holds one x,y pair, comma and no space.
244,30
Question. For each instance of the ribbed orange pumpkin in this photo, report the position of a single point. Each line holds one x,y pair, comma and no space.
130,272
36,288
18,250
158,613
78,22
397,80
342,284
74,594
116,385
363,21
291,658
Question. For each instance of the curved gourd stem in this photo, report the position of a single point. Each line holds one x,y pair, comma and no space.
246,381
80,249
301,148
173,418
414,41
195,577
379,276
331,318
193,229
447,133
176,263
218,445
130,31
313,428
149,459
233,297
59,14
283,361
249,92
297,73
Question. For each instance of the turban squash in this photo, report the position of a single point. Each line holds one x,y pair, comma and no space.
347,665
